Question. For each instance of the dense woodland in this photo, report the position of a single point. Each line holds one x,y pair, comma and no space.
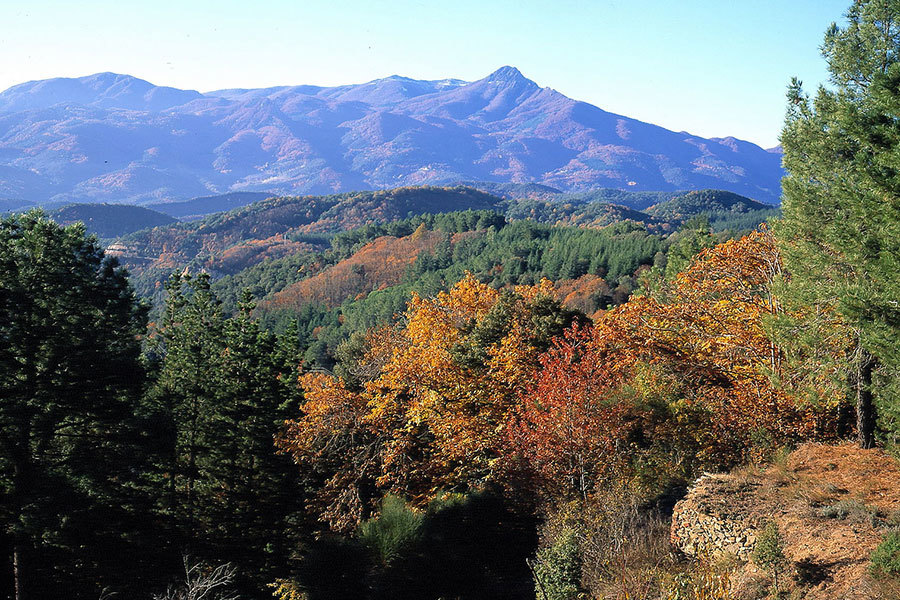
439,393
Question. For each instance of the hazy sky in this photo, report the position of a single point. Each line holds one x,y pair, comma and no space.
711,67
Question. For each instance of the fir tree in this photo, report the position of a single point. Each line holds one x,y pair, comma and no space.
224,388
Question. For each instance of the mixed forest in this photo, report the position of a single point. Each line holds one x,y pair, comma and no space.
435,393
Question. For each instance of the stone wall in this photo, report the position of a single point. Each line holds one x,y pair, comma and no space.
707,521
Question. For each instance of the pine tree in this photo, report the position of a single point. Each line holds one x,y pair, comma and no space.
693,237
768,552
841,227
70,375
224,388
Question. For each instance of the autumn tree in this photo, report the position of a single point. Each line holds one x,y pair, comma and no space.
840,234
682,381
570,420
427,398
709,337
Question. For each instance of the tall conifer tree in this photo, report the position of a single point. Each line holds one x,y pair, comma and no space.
223,389
841,226
71,449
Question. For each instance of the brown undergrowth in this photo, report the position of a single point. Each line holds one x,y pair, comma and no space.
833,505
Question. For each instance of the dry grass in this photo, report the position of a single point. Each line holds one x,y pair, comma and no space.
884,589
626,553
853,511
779,474
748,475
625,547
816,494
892,519
832,503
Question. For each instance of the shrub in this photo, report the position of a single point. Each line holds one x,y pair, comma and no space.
623,545
851,510
397,528
557,569
625,542
703,583
893,519
202,582
768,553
885,560
285,589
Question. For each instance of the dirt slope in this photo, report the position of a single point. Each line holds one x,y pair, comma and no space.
833,505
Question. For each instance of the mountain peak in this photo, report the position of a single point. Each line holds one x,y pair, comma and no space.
507,74
99,90
127,139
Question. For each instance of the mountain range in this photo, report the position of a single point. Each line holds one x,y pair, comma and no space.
116,138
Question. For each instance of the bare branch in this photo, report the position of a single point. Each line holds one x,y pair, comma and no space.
202,582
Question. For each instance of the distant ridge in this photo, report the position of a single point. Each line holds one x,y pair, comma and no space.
108,221
102,90
250,233
205,205
117,138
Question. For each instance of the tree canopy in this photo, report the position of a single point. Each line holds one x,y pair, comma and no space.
840,234
70,379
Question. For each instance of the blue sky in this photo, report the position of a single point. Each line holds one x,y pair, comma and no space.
711,67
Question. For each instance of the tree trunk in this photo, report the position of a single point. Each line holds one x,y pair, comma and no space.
19,572
22,484
865,408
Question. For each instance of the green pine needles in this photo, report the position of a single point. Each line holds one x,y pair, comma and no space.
768,554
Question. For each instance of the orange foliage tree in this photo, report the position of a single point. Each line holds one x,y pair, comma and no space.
439,389
683,378
478,384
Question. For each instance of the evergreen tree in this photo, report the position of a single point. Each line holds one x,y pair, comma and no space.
188,346
768,552
71,452
841,226
224,388
693,237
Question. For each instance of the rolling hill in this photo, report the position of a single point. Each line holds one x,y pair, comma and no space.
117,138
110,220
205,205
691,204
722,209
106,221
8,204
288,234
230,241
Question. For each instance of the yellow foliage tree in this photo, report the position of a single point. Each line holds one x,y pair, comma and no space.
441,387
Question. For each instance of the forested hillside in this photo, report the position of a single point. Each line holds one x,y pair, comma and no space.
303,260
109,221
286,228
252,231
600,266
204,205
723,209
430,393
